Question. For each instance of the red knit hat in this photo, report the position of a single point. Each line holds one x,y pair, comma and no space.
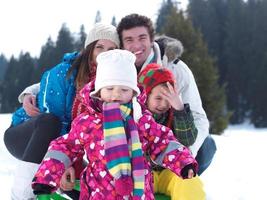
153,75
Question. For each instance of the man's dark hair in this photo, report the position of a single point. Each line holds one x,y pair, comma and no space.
135,20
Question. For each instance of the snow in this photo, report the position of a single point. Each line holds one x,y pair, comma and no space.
236,173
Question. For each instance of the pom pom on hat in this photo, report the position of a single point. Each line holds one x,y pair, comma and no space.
115,67
153,75
102,31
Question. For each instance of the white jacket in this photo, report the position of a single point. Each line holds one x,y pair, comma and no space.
33,89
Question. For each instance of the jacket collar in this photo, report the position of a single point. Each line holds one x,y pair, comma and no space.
154,56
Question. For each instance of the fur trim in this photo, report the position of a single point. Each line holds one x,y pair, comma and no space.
169,47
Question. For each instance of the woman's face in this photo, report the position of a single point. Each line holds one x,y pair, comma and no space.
102,46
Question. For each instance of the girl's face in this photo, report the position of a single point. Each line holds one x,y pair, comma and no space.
116,93
102,46
155,102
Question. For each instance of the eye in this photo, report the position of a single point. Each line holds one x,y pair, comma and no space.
143,37
109,88
128,40
99,47
125,90
158,98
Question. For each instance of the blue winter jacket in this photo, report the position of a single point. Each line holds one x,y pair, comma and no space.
57,92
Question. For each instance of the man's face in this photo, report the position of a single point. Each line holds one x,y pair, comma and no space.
137,41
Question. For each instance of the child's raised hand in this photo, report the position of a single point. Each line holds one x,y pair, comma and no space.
173,97
190,173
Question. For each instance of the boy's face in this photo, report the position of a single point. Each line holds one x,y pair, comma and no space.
155,102
116,93
137,41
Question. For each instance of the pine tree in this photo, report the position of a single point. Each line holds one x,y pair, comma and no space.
64,43
257,70
46,60
79,44
98,17
164,10
209,16
15,80
202,65
7,93
240,49
235,52
3,66
113,21
52,53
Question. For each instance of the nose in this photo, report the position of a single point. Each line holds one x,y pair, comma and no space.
164,104
116,96
136,44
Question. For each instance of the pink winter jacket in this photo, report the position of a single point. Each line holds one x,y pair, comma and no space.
86,137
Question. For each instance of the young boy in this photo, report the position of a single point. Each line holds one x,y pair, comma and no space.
166,104
168,109
114,132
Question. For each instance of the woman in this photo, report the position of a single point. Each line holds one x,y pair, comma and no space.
58,101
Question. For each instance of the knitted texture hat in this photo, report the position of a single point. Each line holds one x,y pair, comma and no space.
102,31
153,75
115,67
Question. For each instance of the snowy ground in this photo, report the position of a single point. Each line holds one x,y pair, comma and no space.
237,172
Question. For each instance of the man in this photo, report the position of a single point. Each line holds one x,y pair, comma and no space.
136,34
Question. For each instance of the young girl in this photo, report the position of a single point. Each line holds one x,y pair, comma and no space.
114,132
168,109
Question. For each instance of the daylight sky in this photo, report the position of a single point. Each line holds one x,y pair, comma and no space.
26,25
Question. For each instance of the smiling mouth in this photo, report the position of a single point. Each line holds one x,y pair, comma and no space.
137,52
159,111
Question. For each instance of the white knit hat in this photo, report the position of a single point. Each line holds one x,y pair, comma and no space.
115,67
102,31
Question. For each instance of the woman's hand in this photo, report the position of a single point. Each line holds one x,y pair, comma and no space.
29,105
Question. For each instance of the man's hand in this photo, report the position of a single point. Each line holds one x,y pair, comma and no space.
29,105
67,180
